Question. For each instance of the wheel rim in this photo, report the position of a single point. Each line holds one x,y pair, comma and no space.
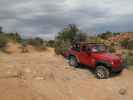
72,61
100,73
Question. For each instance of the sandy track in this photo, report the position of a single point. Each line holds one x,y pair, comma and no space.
46,76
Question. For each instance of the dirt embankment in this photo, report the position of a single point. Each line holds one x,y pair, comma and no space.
46,76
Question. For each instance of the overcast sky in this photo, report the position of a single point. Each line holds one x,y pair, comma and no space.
45,18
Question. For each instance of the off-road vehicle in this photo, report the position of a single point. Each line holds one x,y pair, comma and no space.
95,56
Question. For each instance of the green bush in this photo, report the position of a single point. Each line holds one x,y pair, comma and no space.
106,35
50,43
124,43
71,34
130,44
116,33
111,49
37,42
6,37
127,43
3,40
129,58
61,46
14,37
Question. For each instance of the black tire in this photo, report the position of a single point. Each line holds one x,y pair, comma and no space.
102,72
73,61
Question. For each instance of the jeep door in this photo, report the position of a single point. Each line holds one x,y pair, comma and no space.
86,57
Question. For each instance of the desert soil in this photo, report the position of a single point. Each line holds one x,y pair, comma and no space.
46,76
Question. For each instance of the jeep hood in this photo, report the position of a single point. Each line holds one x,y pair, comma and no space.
106,56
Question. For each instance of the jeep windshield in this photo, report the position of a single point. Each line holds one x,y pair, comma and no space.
98,48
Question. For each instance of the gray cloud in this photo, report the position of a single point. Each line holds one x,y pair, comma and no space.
45,18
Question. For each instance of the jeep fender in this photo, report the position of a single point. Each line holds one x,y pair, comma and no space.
104,63
75,57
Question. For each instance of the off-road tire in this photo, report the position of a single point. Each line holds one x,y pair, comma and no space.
102,72
73,61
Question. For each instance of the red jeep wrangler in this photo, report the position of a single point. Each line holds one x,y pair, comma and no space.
96,57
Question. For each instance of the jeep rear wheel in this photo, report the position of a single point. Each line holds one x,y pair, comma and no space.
102,72
73,61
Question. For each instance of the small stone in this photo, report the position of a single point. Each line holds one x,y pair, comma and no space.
122,91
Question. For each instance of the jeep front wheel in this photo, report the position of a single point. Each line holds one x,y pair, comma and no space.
73,61
102,72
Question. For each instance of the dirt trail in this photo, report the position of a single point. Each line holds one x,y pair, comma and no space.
46,76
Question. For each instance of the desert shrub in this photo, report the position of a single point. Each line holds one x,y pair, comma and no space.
130,53
3,40
130,44
61,46
105,35
116,33
7,37
51,43
124,43
14,37
127,43
38,43
69,35
112,44
129,58
111,49
80,37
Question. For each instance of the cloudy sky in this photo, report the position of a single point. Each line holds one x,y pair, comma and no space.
45,18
